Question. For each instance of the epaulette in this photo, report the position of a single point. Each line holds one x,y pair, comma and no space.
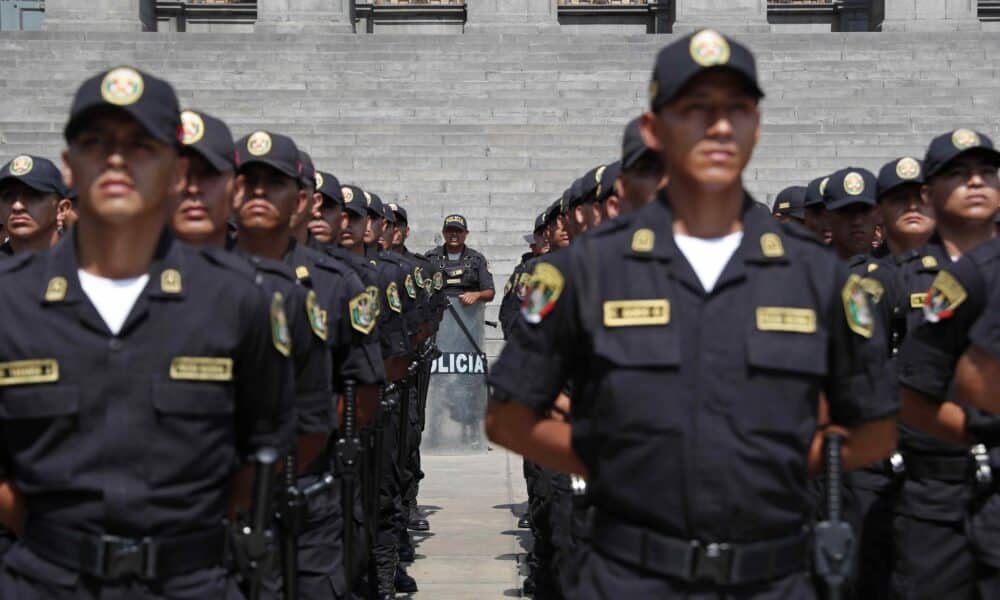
801,232
229,260
16,262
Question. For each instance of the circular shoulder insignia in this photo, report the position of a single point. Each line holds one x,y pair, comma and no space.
319,180
348,194
259,143
708,48
964,138
22,165
822,185
193,127
122,86
908,168
854,183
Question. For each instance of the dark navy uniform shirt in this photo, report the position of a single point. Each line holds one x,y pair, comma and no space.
138,433
513,293
701,407
470,272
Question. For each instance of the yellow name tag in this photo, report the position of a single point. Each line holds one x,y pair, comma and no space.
201,368
918,300
42,370
779,318
454,281
636,313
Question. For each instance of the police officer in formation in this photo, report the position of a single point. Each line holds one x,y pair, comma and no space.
200,382
691,360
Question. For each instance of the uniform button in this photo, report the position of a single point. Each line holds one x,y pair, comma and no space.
115,344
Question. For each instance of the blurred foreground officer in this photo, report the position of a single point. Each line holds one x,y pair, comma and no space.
701,332
790,205
949,511
136,373
33,202
466,271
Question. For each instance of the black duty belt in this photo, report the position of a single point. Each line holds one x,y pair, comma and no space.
694,561
112,558
951,469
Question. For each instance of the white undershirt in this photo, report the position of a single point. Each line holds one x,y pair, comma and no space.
454,256
708,256
113,298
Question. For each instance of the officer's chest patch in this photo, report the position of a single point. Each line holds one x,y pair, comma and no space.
544,288
945,295
201,368
781,318
279,325
857,308
918,300
21,372
316,316
636,313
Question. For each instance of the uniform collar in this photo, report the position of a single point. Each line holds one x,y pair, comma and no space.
166,272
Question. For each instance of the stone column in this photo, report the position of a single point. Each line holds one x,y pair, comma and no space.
728,16
100,15
304,16
931,15
511,16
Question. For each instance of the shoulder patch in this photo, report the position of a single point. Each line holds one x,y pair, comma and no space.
279,325
873,288
643,240
362,313
771,246
411,288
376,304
316,315
392,297
544,288
857,308
944,296
438,281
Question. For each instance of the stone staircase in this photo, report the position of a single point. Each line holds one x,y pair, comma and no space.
495,127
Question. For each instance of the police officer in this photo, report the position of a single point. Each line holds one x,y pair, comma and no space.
510,304
467,272
850,213
907,219
608,200
324,226
815,209
641,171
946,509
33,199
138,373
789,205
664,306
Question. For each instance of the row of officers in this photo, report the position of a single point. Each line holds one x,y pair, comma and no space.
717,399
214,362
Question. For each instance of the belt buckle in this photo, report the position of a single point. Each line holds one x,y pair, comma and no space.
711,563
121,558
983,470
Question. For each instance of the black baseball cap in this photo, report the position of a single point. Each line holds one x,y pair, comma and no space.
374,205
633,146
895,173
608,177
149,100
328,185
387,213
553,211
590,185
814,192
40,174
308,169
272,149
401,217
575,197
354,200
210,138
539,223
681,61
457,221
852,185
791,201
949,146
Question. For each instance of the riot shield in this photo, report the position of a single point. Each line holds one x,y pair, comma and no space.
456,398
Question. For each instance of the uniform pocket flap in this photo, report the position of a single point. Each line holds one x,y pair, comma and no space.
39,402
192,399
794,352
